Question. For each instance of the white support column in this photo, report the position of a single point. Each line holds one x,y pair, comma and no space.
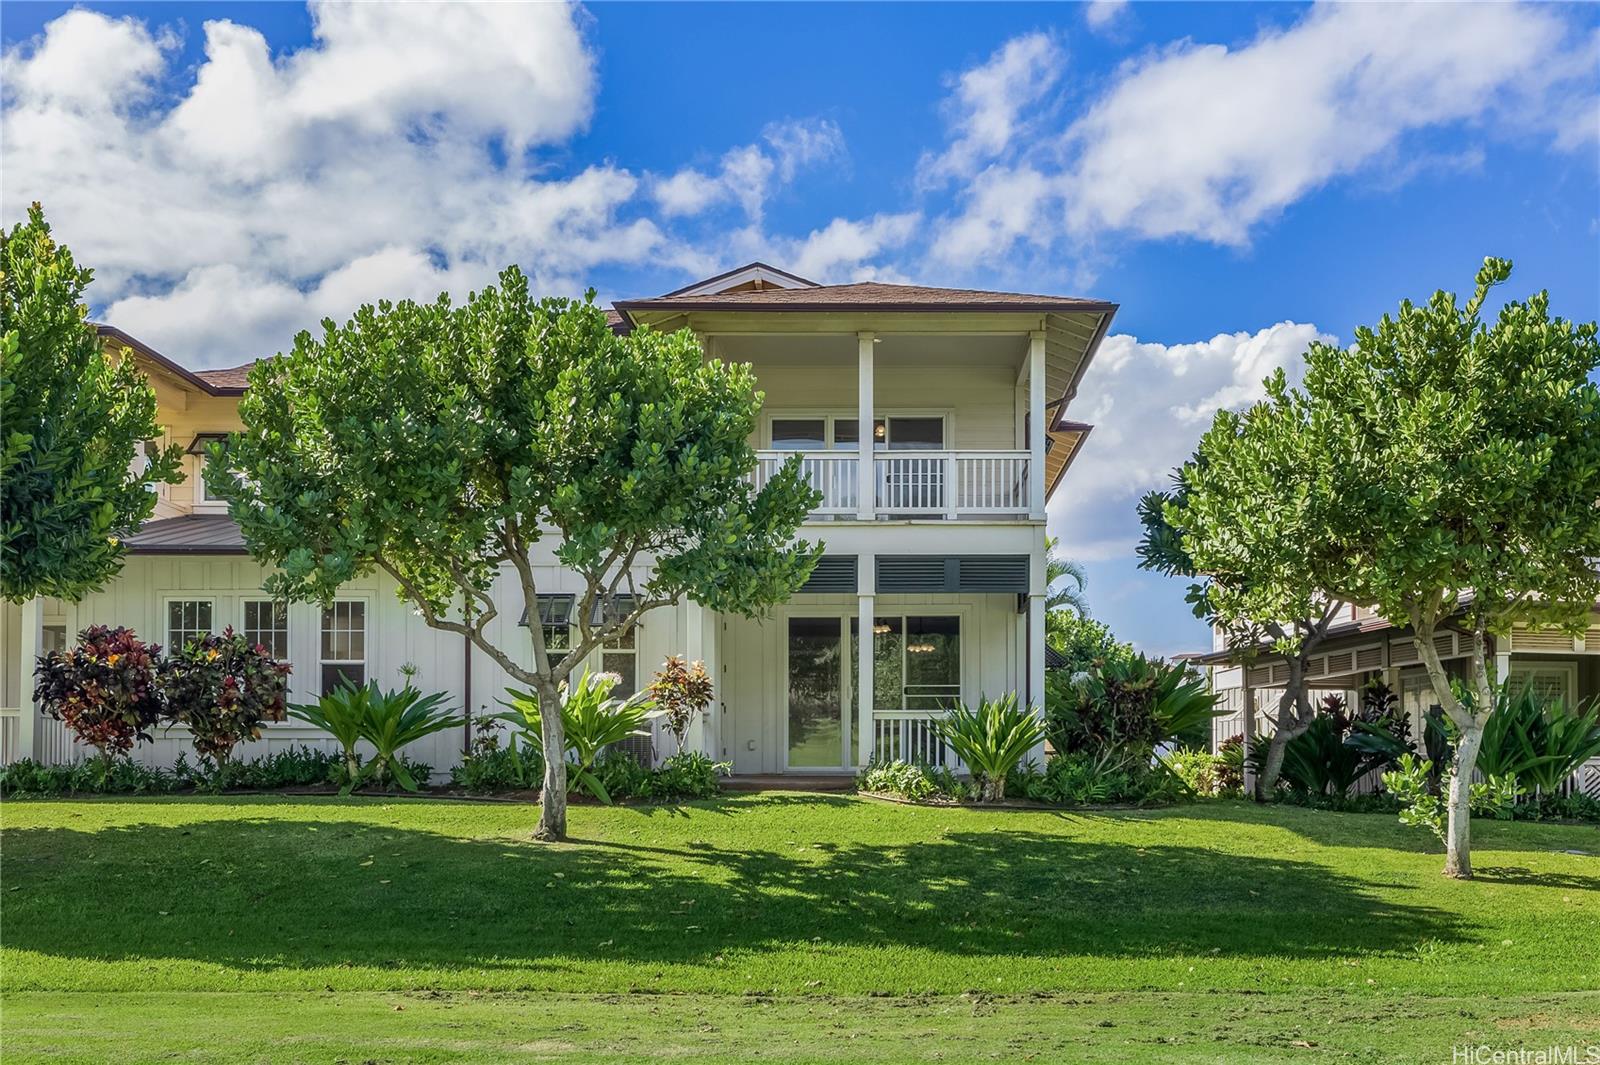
691,621
866,616
1036,667
1036,420
1249,731
1502,666
866,490
32,647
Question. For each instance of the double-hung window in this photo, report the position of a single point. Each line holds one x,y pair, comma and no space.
188,619
266,624
343,657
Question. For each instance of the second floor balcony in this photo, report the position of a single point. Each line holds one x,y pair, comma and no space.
914,484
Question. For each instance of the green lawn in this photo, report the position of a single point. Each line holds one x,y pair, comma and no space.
795,927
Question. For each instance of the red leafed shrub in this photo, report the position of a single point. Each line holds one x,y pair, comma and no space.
106,688
223,688
681,693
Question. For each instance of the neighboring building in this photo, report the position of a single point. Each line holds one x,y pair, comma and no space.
1361,646
934,563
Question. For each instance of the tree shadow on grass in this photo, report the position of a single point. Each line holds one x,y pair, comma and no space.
261,894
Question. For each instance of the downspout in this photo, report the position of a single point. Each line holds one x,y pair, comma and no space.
466,694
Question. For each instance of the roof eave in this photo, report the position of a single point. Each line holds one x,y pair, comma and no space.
183,373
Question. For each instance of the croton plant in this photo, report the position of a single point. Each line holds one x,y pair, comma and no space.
223,688
106,688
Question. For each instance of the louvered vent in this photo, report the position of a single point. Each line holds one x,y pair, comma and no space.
1280,674
1402,651
1527,638
1369,658
912,573
833,573
1444,644
992,573
1342,662
1260,676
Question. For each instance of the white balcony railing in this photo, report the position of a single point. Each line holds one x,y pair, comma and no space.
908,736
933,484
951,483
832,474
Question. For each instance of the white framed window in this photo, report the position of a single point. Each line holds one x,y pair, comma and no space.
922,431
1549,680
203,496
187,619
916,661
620,654
342,656
266,622
555,621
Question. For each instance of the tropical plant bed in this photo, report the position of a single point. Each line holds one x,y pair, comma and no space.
948,802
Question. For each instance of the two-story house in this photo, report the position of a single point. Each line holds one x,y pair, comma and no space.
932,421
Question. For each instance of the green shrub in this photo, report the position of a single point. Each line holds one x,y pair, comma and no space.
991,740
1128,704
681,692
489,767
591,719
1538,741
297,766
1200,771
913,781
686,775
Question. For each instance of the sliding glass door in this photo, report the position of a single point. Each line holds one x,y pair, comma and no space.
816,693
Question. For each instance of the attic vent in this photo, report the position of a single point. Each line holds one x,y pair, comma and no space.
833,573
1369,658
912,573
1527,638
992,573
1339,663
1402,651
1444,644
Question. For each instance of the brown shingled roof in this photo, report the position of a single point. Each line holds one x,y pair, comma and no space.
234,377
876,295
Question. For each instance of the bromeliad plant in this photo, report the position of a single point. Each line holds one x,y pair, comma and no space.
223,688
992,740
590,719
106,689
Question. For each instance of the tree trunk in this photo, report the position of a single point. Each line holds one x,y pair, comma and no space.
1458,833
993,789
1267,782
553,796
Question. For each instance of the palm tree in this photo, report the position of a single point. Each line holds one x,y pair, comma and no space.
1069,576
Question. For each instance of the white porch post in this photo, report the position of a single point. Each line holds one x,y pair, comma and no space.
866,584
32,646
1036,629
1502,666
866,491
691,618
1249,777
1036,419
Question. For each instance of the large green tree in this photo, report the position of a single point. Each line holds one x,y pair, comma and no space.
1462,460
1249,525
72,420
440,443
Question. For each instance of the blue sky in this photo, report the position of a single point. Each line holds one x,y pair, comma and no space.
1241,178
